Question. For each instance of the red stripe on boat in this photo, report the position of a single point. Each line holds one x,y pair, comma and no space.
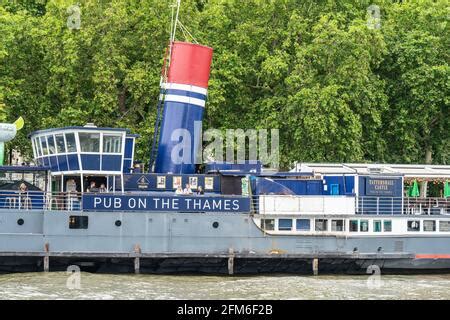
432,256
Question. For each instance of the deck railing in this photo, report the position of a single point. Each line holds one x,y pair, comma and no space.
398,205
38,200
72,201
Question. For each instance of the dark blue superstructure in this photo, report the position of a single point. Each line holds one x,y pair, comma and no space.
88,149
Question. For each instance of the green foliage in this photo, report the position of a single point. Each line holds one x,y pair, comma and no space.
336,89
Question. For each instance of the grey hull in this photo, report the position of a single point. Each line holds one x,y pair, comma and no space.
188,242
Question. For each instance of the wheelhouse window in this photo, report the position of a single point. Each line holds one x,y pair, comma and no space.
364,226
321,225
38,147
89,142
112,144
337,225
71,145
303,225
353,225
387,226
284,224
33,145
44,146
414,225
60,146
444,226
51,144
429,225
377,226
268,224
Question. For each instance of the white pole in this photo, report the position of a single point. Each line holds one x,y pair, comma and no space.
176,20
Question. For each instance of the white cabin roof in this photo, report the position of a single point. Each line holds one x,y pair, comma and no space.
407,170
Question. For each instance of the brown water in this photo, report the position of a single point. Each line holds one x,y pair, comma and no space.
59,285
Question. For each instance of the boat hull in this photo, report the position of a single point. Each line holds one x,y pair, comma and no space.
200,243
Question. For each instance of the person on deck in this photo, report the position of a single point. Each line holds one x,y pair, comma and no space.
200,190
179,190
102,188
92,187
188,189
72,196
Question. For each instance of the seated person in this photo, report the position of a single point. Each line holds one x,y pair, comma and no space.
200,190
102,188
188,189
92,187
25,201
179,190
23,188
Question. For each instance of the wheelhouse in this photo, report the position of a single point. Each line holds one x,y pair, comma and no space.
82,155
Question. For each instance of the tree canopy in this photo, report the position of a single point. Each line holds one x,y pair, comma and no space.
337,88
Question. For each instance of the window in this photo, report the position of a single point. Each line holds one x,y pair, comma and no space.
33,144
112,144
321,224
377,226
44,146
444,226
303,225
334,189
71,145
414,225
268,224
285,224
337,225
353,225
387,225
429,225
60,146
89,142
364,226
51,145
78,222
38,147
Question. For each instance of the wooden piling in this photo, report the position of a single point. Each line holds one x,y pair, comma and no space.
315,266
137,259
230,261
46,257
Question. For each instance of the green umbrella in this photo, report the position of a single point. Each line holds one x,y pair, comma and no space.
446,189
414,191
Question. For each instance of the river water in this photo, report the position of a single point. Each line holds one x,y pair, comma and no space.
59,285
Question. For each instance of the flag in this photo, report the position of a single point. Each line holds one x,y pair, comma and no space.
414,191
446,189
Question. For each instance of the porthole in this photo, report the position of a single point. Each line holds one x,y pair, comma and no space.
20,222
118,223
215,224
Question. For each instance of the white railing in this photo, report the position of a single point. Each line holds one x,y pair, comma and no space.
39,200
345,205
